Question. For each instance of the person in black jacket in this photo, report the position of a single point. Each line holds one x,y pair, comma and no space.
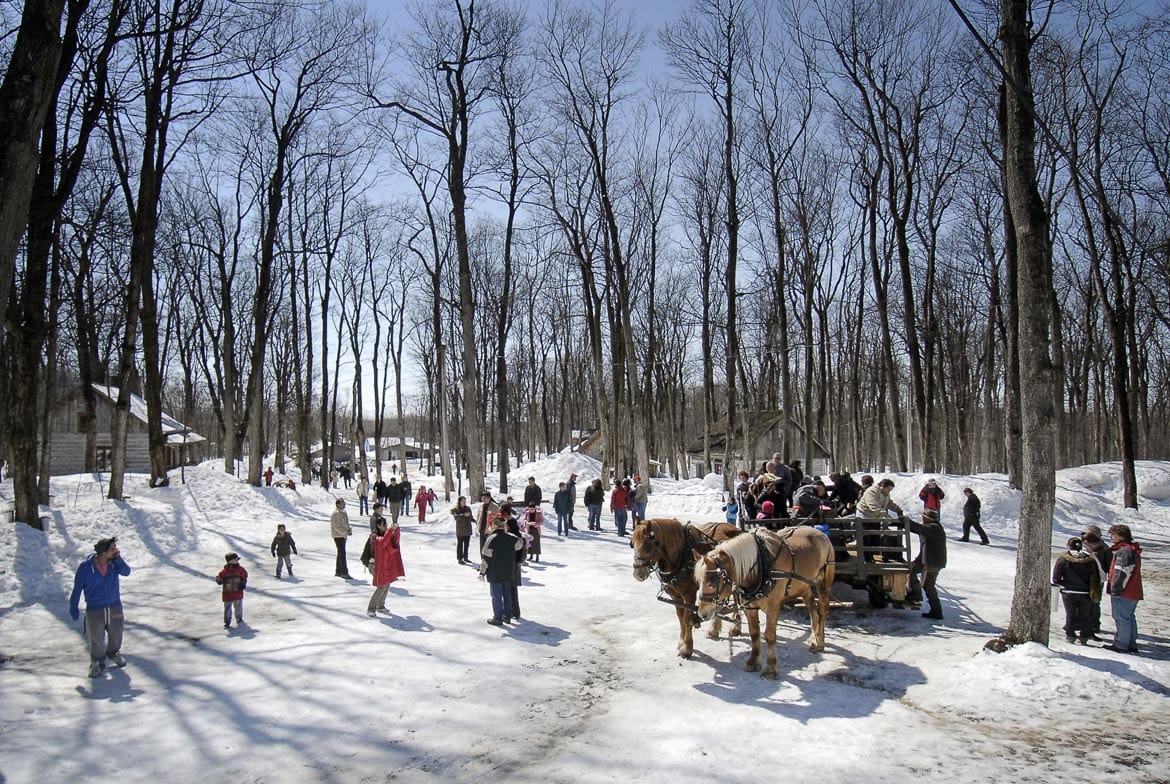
1076,574
1096,546
394,495
971,512
282,545
594,498
931,559
844,493
404,485
532,493
499,562
571,486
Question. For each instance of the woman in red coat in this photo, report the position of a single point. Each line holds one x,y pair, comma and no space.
387,564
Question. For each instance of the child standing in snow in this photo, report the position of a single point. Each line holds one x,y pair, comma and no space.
731,511
423,500
282,545
233,578
1080,585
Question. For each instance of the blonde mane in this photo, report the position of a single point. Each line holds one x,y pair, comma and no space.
745,554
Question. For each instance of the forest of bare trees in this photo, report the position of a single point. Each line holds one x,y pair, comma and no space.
490,225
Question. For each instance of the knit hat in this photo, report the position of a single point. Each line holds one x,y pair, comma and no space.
768,508
930,514
231,557
104,544
1074,544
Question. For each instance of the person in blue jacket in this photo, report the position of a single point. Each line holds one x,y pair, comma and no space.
97,577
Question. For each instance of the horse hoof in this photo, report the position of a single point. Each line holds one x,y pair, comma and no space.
685,654
771,675
751,667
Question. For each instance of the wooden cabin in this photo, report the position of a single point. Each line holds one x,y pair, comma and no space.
67,435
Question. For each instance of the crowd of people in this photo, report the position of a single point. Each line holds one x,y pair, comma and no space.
510,535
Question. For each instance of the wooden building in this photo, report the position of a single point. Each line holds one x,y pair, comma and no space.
760,433
67,435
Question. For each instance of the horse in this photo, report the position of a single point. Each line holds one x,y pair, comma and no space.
766,570
667,547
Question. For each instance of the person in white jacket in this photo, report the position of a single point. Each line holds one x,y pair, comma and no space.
340,530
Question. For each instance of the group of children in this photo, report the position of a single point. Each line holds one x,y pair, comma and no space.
1090,568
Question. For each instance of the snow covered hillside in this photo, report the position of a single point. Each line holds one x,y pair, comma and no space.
585,688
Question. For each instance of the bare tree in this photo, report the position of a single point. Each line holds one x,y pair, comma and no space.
26,97
454,59
171,53
1029,220
64,144
709,46
297,64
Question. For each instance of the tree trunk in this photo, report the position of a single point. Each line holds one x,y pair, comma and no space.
28,90
1030,601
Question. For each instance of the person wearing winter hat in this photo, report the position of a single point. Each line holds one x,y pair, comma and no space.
971,512
767,511
931,559
1075,573
1095,546
97,577
234,579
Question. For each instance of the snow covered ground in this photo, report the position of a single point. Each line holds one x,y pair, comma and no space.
586,688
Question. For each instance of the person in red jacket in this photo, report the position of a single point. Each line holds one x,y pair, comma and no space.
387,564
424,499
234,579
1125,588
621,500
932,495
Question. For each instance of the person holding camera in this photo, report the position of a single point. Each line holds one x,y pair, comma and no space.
385,543
97,577
932,495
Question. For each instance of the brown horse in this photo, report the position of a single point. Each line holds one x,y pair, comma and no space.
766,570
668,547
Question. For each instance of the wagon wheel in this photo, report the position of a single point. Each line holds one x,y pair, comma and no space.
878,598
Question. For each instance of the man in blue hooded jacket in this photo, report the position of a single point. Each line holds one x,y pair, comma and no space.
97,578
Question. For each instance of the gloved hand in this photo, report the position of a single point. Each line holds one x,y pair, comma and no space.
74,613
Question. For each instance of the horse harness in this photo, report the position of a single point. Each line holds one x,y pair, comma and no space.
683,568
742,597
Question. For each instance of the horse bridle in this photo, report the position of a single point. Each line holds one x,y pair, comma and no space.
652,563
716,597
682,568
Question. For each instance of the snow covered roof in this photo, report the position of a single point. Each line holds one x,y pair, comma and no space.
176,432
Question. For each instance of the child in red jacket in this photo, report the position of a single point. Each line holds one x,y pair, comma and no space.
233,578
